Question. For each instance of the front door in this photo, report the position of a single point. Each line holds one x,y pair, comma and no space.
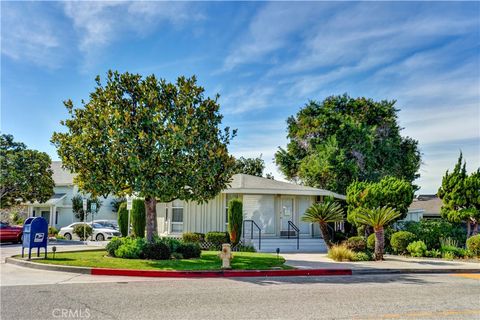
286,213
46,216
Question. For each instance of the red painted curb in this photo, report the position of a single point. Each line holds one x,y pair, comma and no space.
221,273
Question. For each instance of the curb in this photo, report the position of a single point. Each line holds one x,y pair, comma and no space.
230,273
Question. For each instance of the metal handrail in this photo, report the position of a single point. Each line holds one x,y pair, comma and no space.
291,224
253,223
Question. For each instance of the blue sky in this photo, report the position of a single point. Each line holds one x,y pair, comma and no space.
266,60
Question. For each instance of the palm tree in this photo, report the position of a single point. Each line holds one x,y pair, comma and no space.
323,213
378,218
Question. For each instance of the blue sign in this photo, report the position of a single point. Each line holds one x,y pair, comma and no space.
35,235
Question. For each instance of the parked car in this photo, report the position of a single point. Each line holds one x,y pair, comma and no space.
100,233
108,223
10,233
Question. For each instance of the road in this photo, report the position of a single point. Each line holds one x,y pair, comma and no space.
38,294
353,297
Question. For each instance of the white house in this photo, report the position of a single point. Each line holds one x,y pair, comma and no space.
271,204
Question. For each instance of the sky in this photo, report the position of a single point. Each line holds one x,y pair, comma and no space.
265,59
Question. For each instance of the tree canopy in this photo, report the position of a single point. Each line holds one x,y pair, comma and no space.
342,139
460,194
77,207
390,192
26,174
252,166
144,136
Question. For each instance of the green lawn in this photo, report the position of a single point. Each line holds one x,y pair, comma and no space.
208,261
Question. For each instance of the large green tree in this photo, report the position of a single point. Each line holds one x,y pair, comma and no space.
26,175
342,139
460,194
252,166
390,191
77,206
142,135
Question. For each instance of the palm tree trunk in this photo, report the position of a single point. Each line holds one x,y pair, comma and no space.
475,228
379,243
326,235
151,205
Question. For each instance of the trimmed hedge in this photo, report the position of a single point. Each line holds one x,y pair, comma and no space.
473,244
400,240
235,220
138,217
191,237
189,250
123,218
157,250
217,238
356,243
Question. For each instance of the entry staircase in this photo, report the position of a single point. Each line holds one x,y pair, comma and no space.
288,242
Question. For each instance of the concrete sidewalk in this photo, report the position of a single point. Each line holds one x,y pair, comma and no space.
391,262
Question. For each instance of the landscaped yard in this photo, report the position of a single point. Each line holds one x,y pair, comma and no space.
208,261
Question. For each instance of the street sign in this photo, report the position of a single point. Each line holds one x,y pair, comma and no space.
93,207
84,205
129,203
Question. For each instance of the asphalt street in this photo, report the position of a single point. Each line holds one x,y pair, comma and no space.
352,297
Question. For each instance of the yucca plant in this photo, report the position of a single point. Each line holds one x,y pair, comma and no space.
378,218
323,213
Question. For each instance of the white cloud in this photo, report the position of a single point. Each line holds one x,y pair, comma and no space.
102,22
27,35
244,99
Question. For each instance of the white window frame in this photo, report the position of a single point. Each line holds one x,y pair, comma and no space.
172,223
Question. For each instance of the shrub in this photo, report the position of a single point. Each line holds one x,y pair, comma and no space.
52,231
341,253
59,237
113,245
363,256
473,244
78,230
189,250
177,256
448,256
200,235
434,253
157,250
131,248
172,243
371,241
123,219
356,243
235,220
430,231
191,237
246,248
400,241
339,236
417,248
216,238
138,218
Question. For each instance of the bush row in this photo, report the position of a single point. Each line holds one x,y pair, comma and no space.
159,249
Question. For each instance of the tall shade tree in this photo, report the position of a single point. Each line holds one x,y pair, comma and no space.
378,218
142,135
342,139
460,194
26,175
324,213
390,191
251,166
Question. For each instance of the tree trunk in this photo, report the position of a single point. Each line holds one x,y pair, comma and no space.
151,206
468,228
379,243
475,228
326,235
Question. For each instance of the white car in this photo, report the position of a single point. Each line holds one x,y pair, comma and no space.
100,233
108,224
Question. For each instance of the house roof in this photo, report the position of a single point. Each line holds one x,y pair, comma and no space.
244,183
60,176
429,204
56,198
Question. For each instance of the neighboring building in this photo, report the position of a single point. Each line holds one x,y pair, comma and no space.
58,209
270,203
425,206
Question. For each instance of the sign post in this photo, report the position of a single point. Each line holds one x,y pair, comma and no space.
129,208
93,209
84,215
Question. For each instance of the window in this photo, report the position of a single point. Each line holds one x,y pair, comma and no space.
177,216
